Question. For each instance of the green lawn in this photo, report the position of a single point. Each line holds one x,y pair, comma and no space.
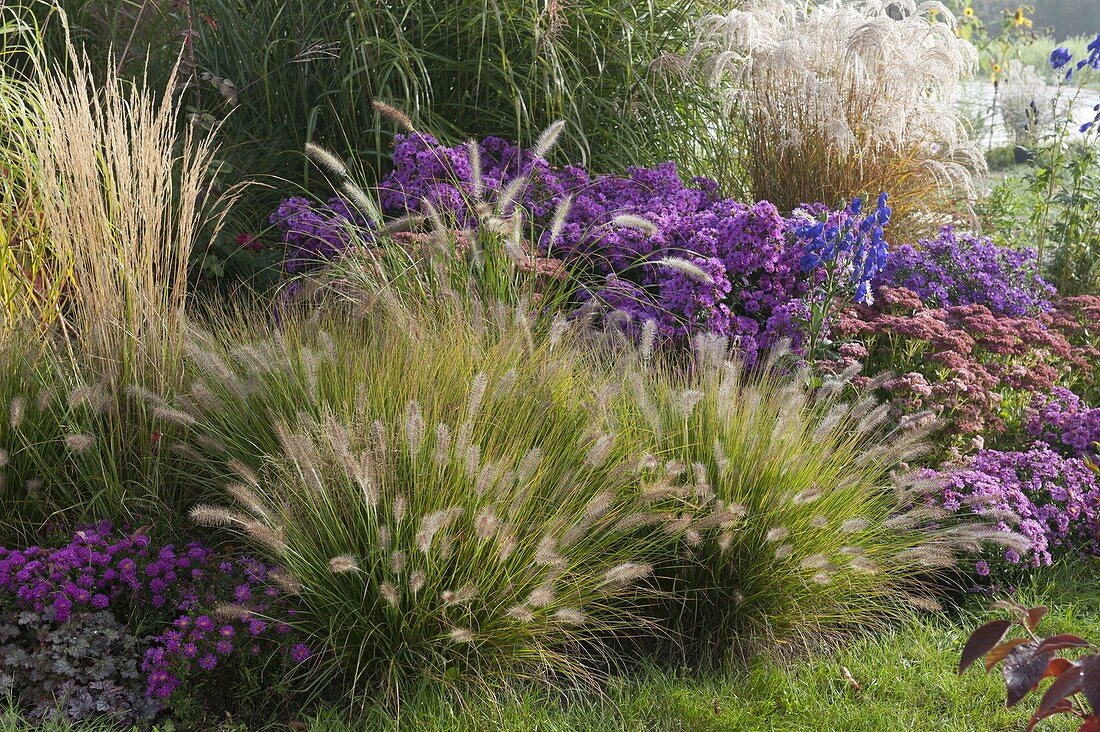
907,677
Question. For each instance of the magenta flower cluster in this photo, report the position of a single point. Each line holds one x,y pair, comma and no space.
102,570
1055,499
963,269
1062,420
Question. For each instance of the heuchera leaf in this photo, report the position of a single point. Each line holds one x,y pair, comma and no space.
998,653
1054,700
982,641
1090,680
1023,671
1062,707
1061,641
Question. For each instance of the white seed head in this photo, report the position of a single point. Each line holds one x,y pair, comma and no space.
570,616
459,597
343,564
546,554
506,547
854,525
541,596
522,613
779,533
16,410
327,161
414,427
638,223
461,635
599,451
549,137
626,573
79,443
688,269
388,593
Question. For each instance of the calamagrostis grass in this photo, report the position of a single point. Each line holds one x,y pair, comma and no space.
126,192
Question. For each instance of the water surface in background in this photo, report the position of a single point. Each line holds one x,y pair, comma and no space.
977,99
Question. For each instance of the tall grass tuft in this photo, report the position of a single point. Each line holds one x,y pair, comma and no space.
803,523
32,280
844,99
122,193
450,506
433,261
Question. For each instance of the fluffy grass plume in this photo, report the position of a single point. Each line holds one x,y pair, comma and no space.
450,504
844,99
122,192
802,521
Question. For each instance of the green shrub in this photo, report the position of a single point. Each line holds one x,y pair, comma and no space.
271,76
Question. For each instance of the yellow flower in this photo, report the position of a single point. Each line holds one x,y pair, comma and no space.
1020,19
996,68
968,12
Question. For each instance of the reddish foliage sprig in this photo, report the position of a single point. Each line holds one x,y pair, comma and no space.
1027,659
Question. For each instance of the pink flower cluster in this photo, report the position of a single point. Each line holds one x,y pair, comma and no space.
969,365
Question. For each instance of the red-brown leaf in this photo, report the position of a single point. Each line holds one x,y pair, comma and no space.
1061,641
982,641
1067,684
1057,667
1023,671
1062,707
1091,724
1090,680
1034,615
999,652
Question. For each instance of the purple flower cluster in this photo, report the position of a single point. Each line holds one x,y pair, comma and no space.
317,232
101,570
742,273
1063,421
1056,499
962,269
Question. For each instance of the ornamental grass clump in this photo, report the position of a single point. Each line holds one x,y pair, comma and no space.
839,99
833,532
445,497
122,194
